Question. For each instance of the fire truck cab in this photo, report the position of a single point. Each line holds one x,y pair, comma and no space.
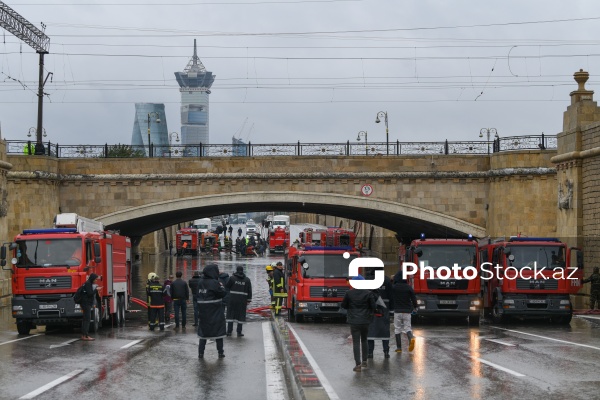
530,278
279,240
50,264
446,296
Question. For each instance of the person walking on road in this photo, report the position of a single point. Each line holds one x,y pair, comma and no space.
360,306
279,288
87,302
595,289
168,298
240,294
405,302
193,284
156,303
379,328
211,320
181,296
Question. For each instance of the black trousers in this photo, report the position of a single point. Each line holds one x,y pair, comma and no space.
386,346
202,346
87,316
359,341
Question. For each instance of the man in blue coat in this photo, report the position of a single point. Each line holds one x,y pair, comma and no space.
211,320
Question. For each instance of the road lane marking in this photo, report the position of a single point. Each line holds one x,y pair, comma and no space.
16,340
275,388
50,385
128,345
548,338
499,367
499,342
588,316
324,382
68,342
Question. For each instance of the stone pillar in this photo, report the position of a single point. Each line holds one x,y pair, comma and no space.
5,286
578,176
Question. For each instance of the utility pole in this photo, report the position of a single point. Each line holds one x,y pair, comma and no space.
27,32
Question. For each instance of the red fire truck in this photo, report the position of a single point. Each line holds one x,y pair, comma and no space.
439,294
530,277
279,240
186,241
50,264
317,277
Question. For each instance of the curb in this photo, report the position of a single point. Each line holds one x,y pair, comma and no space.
305,384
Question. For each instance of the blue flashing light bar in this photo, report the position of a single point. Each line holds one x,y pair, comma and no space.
49,230
533,239
328,248
422,236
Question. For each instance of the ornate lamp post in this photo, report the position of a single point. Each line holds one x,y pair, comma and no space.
157,116
39,145
176,135
364,133
488,132
383,114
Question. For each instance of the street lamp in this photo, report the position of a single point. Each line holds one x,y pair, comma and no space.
387,135
364,133
488,132
32,129
39,146
152,114
171,140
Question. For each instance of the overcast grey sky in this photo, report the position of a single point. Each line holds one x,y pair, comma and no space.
308,70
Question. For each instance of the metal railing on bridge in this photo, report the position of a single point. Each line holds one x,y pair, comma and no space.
397,148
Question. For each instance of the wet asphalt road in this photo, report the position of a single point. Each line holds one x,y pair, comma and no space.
451,359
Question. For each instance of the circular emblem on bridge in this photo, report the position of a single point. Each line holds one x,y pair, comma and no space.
366,190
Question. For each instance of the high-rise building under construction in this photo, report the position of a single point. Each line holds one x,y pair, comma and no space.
194,85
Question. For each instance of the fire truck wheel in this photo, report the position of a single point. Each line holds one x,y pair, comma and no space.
474,320
564,320
23,327
291,313
299,318
95,322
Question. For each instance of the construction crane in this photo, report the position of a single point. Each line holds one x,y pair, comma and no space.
27,32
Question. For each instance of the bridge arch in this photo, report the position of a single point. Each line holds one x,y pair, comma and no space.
406,220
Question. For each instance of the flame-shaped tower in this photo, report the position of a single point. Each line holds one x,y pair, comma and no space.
194,85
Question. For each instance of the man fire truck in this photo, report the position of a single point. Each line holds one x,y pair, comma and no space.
187,240
50,264
530,277
445,295
318,275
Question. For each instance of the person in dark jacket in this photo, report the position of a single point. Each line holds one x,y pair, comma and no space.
156,303
224,278
240,294
405,302
211,320
168,298
595,289
379,328
180,294
193,284
360,307
87,302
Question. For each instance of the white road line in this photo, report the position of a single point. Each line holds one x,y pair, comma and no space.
50,385
499,342
128,345
324,382
588,316
68,342
275,388
548,338
501,368
16,340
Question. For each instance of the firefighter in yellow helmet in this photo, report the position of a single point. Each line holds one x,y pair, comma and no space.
279,287
269,269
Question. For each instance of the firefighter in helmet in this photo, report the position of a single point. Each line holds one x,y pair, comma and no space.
594,279
279,288
156,302
269,269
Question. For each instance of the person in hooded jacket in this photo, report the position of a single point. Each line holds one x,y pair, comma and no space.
240,294
379,328
405,302
193,284
211,320
87,302
360,306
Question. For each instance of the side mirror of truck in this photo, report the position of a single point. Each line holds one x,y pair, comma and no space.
418,252
97,258
507,251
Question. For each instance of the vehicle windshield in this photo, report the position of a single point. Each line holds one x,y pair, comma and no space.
327,266
49,252
438,256
279,223
201,226
540,256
